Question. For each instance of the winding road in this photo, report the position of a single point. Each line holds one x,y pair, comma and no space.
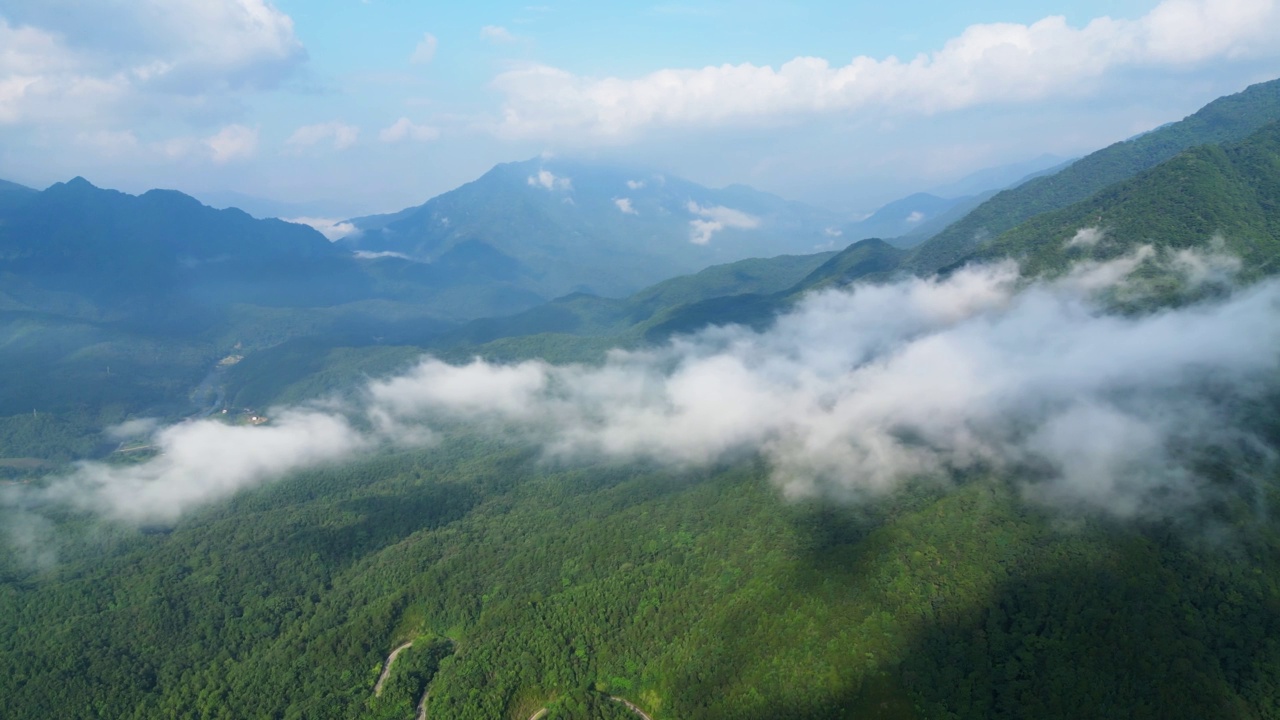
386,669
630,706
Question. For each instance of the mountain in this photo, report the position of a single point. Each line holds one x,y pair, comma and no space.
1227,119
585,547
1221,197
912,219
1211,197
567,226
1001,176
266,208
13,195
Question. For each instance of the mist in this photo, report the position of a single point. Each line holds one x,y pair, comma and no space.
847,396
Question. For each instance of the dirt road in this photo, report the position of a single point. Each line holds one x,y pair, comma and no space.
386,669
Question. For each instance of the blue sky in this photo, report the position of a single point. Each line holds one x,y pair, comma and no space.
372,106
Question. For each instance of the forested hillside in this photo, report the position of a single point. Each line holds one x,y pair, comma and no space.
1225,120
1040,483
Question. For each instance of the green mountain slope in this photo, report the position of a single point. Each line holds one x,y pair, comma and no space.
1231,193
1227,119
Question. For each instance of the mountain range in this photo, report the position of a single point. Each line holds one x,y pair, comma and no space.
476,566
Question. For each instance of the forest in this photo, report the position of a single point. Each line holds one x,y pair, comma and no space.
508,580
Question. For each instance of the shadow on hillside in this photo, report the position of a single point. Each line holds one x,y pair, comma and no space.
384,520
1121,625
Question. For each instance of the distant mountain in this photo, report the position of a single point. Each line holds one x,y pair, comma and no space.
112,248
266,208
13,195
1001,176
1211,197
912,220
581,227
1225,120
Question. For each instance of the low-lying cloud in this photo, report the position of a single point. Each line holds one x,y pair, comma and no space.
849,395
548,180
712,219
331,228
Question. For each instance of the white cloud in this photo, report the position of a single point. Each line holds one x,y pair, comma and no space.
159,57
425,51
849,394
343,135
915,217
547,180
233,142
331,228
207,460
372,255
713,219
405,129
1086,237
624,204
497,34
635,184
990,63
833,232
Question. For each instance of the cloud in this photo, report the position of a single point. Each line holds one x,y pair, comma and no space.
624,204
915,217
138,427
204,461
167,57
547,180
716,218
343,135
331,228
849,395
985,64
425,51
1086,237
635,184
374,255
405,129
233,142
497,34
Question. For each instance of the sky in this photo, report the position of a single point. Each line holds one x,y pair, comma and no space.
355,106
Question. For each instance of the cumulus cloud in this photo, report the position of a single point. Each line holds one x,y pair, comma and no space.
425,51
166,56
547,180
342,135
987,63
715,218
624,204
331,228
497,34
635,184
850,394
405,129
233,142
915,217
